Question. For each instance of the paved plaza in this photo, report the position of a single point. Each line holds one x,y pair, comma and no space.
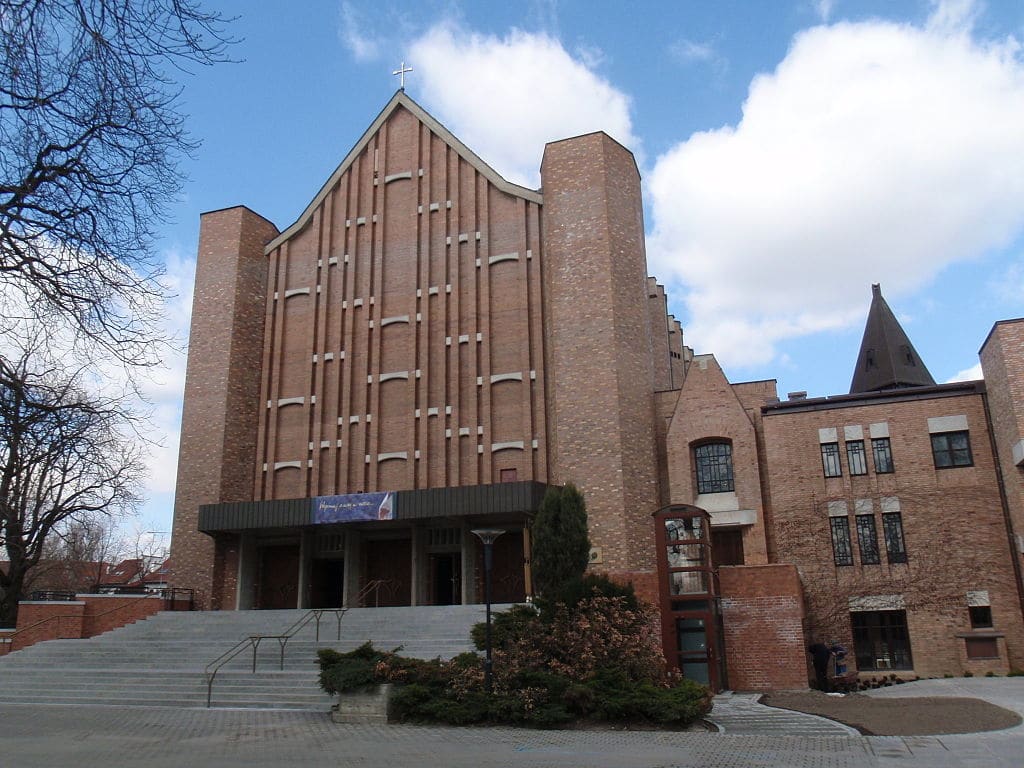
54,736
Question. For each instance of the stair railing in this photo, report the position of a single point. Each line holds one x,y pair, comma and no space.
253,642
374,587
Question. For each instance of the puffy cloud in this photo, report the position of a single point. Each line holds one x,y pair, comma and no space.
967,374
507,96
875,152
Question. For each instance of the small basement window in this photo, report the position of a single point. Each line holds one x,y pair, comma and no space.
982,648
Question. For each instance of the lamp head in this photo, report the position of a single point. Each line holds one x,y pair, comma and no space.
487,535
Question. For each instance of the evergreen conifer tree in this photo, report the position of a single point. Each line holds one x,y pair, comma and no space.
561,548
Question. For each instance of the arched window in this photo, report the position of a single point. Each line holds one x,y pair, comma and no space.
713,462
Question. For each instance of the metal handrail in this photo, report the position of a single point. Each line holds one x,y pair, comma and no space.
211,669
9,639
375,587
81,617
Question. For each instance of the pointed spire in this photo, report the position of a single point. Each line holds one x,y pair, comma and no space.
887,359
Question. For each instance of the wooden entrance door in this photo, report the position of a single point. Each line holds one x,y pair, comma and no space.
279,577
507,582
388,565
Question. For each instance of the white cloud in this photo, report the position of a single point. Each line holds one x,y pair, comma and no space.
351,32
507,96
875,152
165,386
824,8
967,374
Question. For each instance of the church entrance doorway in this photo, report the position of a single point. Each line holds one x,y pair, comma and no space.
446,578
388,573
278,581
327,583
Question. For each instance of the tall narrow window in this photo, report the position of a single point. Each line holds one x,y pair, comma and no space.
830,460
867,538
951,449
842,551
714,467
856,458
892,529
882,450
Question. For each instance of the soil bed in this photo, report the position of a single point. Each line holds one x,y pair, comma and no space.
924,716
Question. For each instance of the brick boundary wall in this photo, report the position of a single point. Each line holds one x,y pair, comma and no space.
87,616
762,613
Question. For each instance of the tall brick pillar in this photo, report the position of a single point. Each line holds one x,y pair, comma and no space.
598,344
1002,360
216,458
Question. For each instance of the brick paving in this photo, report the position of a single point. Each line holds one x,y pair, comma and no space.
34,736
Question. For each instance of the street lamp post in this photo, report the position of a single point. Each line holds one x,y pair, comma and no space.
488,536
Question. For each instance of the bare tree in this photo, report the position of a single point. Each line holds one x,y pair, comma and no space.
66,454
90,139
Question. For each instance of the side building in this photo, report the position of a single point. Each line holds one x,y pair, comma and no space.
429,347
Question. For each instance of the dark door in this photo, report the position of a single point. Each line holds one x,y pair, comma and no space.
327,584
507,582
446,578
279,577
388,574
726,547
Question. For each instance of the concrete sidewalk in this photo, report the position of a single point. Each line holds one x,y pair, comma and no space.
38,736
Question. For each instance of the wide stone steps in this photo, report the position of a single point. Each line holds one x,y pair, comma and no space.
161,661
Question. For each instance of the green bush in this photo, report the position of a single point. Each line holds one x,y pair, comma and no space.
594,656
561,549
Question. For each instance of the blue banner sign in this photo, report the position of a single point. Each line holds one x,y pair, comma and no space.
354,507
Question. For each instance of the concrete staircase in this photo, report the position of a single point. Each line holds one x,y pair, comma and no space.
160,661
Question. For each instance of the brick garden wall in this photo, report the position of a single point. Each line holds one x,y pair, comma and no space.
762,614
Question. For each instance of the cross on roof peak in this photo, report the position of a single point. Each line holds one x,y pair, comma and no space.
402,69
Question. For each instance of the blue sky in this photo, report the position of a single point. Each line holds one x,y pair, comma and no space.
792,153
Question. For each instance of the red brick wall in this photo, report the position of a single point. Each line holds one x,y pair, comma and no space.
953,524
394,275
1002,360
88,616
216,455
708,407
38,621
106,612
762,615
599,344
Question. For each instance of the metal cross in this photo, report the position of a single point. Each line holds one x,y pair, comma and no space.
401,73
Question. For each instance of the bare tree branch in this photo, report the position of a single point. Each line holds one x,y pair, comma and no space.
90,139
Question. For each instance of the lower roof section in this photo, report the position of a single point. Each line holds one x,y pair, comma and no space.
472,500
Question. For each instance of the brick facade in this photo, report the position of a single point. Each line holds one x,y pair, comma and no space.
425,324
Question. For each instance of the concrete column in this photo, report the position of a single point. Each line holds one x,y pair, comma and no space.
245,594
305,564
353,543
468,566
418,587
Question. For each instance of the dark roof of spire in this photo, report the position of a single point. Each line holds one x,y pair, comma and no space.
887,359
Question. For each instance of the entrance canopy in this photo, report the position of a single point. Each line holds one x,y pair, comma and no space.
466,501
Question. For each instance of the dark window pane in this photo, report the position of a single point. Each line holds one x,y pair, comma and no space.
830,460
892,529
882,450
856,457
981,616
880,640
842,552
867,537
952,449
714,468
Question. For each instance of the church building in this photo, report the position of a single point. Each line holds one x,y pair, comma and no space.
429,347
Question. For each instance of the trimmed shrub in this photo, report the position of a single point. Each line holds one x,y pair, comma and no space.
560,547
